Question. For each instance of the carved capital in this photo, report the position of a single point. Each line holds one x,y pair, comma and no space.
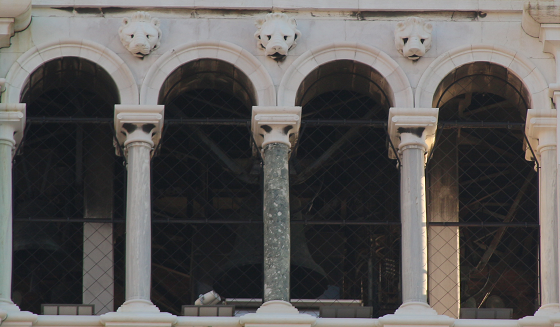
12,123
275,125
540,129
412,127
138,123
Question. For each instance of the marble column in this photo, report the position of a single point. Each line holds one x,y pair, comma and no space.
138,129
412,132
275,132
12,122
541,133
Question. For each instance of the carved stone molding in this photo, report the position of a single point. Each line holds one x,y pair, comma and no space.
541,131
140,34
413,37
275,125
15,16
276,34
412,127
138,123
12,122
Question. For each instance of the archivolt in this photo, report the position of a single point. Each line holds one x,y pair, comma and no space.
94,52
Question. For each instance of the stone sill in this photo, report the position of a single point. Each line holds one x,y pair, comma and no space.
325,5
181,321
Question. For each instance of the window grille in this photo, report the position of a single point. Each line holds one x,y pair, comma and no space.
207,203
68,190
483,198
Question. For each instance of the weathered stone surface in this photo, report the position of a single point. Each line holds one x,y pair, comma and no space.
276,223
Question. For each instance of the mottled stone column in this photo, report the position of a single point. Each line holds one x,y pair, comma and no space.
12,122
412,132
275,131
138,129
541,133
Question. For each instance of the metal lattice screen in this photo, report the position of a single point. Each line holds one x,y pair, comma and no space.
482,203
207,204
68,191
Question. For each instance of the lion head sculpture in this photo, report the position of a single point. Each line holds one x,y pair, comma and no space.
413,37
276,34
140,34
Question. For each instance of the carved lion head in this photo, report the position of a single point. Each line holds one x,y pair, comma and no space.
141,34
413,37
276,34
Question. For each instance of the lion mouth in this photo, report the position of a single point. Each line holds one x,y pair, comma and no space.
277,56
414,57
140,54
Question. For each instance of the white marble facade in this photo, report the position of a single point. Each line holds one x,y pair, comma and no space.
463,31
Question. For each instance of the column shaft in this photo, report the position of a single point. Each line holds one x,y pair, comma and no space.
413,224
276,217
548,226
138,222
5,221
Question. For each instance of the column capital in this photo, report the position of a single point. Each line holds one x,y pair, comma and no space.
412,126
540,129
12,122
138,123
275,125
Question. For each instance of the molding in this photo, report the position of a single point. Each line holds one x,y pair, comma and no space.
388,68
412,127
280,5
17,10
536,13
138,124
35,57
6,31
12,123
221,50
275,125
277,313
513,60
540,129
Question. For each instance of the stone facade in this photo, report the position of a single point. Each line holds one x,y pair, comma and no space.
520,38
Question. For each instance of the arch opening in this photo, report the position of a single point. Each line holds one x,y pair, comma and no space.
340,174
478,176
67,172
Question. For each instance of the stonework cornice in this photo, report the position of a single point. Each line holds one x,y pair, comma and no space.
275,125
138,123
412,127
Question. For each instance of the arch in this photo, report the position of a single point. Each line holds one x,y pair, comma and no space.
92,51
514,61
377,59
225,51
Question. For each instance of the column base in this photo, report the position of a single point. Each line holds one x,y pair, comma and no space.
7,306
415,314
277,313
138,313
12,316
548,310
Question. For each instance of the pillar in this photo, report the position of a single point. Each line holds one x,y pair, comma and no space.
12,122
412,132
275,132
138,129
541,133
